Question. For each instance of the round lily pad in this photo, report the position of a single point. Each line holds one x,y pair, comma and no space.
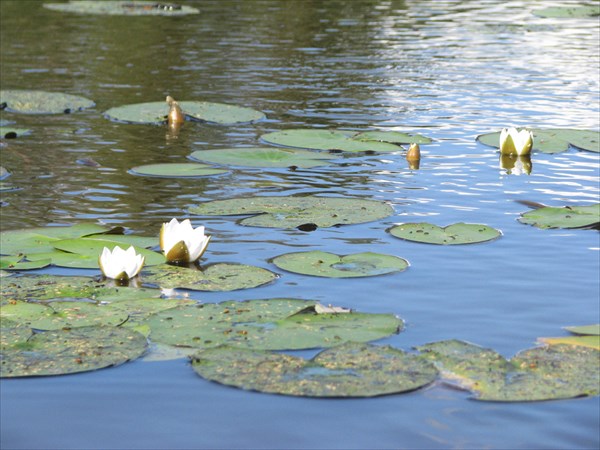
327,140
394,137
11,132
65,351
292,212
347,370
262,157
553,140
42,102
591,330
184,170
563,217
560,12
215,277
122,8
156,112
455,234
273,324
585,341
323,264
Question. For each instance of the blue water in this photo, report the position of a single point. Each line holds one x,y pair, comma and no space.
448,69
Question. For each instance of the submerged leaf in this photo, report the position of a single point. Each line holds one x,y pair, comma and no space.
42,102
455,234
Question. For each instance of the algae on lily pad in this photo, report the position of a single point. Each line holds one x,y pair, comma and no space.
561,12
122,8
327,140
156,113
24,353
42,102
563,217
553,140
323,264
455,234
540,373
272,324
183,170
293,212
214,277
262,157
348,370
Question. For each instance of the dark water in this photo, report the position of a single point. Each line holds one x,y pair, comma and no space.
447,69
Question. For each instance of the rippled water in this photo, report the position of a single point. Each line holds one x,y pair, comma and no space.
447,69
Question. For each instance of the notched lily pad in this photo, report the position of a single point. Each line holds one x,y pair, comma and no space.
183,170
347,370
323,264
563,217
293,212
156,113
122,8
262,157
42,102
455,234
553,140
65,351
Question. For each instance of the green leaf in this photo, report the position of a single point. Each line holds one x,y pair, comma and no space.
323,264
393,137
563,217
4,173
455,234
67,351
262,157
42,102
327,140
122,8
168,170
156,112
593,330
585,341
553,140
560,12
348,370
10,132
20,263
292,212
214,277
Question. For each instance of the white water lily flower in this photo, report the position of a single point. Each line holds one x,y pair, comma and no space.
181,243
120,264
513,142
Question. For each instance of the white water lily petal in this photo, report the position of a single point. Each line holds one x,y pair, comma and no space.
180,242
120,264
513,142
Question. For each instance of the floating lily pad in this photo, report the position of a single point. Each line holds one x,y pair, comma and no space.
591,330
122,8
187,170
156,112
4,173
393,137
273,324
65,351
541,373
215,277
262,157
327,140
292,212
563,217
21,263
11,132
585,341
560,12
323,264
553,140
455,234
348,370
42,102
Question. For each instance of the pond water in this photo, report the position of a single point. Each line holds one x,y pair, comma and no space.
447,69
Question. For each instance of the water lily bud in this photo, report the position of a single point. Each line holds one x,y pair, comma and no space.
181,243
120,264
513,142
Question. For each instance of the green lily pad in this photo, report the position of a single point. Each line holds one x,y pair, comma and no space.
347,370
4,173
42,102
156,113
393,137
585,341
186,170
11,133
455,234
327,140
560,12
541,373
592,330
21,263
59,315
563,217
323,264
122,8
292,212
65,351
214,277
273,324
553,140
139,309
262,157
